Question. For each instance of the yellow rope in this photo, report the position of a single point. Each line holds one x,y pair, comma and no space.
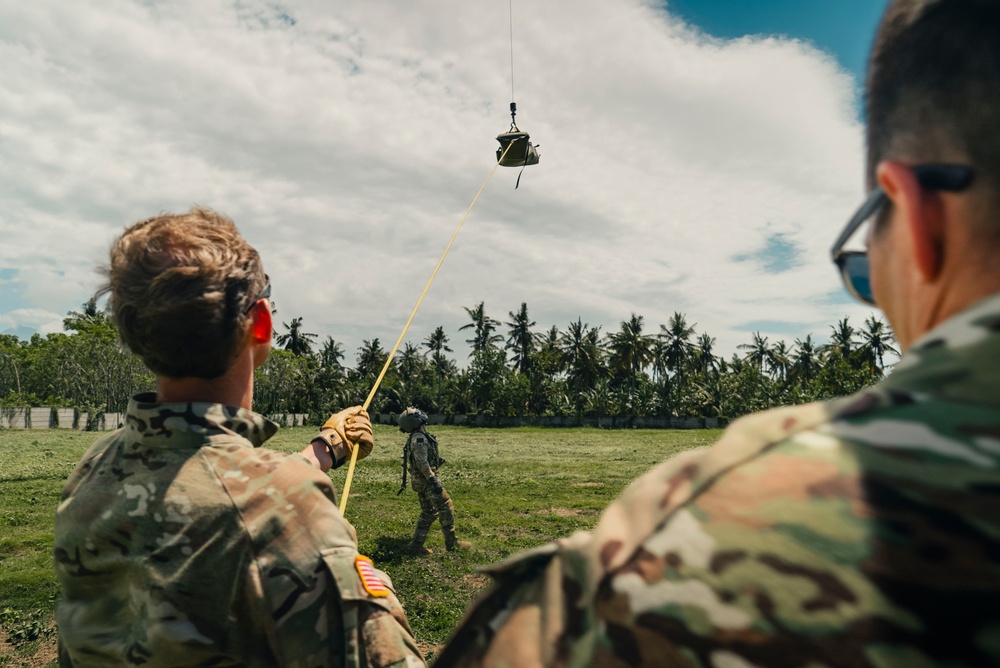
388,361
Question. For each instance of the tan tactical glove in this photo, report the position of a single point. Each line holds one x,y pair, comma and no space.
354,428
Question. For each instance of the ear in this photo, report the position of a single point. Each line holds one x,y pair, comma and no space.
920,211
262,325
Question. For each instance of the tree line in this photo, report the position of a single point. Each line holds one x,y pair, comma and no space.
513,369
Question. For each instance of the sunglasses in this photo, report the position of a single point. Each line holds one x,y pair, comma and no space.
855,269
264,294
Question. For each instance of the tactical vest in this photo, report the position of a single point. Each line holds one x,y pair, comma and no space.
434,458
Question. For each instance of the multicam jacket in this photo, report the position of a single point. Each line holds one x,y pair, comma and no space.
180,542
422,456
863,532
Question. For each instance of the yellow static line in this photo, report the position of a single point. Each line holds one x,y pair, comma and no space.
388,361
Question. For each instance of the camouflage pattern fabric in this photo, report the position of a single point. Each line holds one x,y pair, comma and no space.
863,532
423,463
180,542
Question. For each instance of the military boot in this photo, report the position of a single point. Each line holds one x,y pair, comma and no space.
451,541
417,549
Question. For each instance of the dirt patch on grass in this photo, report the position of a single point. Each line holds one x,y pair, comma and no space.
429,650
587,484
475,580
46,652
560,512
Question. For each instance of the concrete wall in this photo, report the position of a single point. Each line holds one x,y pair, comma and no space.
14,418
46,417
69,418
64,418
567,421
289,419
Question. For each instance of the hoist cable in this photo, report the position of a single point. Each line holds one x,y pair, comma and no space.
388,361
510,7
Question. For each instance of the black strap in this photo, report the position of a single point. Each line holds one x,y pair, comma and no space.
406,452
527,150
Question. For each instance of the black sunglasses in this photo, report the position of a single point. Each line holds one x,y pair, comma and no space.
854,266
264,294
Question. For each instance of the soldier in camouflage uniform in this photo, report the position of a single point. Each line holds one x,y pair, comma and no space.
861,532
421,458
179,540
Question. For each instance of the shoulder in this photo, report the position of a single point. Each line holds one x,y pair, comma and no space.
578,564
89,460
275,489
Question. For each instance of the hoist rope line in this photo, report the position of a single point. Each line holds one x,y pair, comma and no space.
388,361
510,7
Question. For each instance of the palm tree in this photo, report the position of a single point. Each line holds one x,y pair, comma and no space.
483,326
520,339
758,352
410,363
295,340
841,341
703,354
660,363
631,350
876,341
780,361
88,315
584,354
371,358
331,354
678,340
437,344
805,364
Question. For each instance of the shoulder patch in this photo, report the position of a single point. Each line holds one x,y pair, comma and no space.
371,582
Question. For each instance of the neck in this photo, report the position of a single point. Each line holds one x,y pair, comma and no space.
964,287
233,388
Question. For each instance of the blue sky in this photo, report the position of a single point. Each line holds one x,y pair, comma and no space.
678,173
843,27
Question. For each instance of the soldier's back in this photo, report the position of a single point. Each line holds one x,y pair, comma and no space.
179,543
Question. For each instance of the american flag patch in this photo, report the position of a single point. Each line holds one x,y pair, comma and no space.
371,582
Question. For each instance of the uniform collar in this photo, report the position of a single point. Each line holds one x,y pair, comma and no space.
959,360
191,424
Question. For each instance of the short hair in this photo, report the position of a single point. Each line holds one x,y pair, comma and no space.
933,86
180,287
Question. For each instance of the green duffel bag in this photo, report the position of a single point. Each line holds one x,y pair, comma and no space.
522,152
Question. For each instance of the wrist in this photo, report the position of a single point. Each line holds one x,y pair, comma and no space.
338,450
320,454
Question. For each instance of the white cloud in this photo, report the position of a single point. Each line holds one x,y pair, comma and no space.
41,320
347,146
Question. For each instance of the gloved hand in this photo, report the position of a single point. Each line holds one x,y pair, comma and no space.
354,428
436,485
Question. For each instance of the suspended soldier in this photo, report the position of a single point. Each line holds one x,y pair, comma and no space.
420,456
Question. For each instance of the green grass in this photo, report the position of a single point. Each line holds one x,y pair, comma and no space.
513,489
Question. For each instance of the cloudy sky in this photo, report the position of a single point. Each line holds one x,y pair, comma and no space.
697,156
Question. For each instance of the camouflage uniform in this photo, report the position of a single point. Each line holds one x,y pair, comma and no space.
423,461
859,532
179,541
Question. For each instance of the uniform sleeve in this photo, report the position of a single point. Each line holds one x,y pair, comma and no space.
418,453
304,584
730,557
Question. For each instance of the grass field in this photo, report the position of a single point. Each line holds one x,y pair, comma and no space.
513,489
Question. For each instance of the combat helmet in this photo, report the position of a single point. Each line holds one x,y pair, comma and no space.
411,419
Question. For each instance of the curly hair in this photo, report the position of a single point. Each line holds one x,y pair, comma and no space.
180,287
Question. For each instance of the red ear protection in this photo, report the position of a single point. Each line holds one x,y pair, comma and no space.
262,325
